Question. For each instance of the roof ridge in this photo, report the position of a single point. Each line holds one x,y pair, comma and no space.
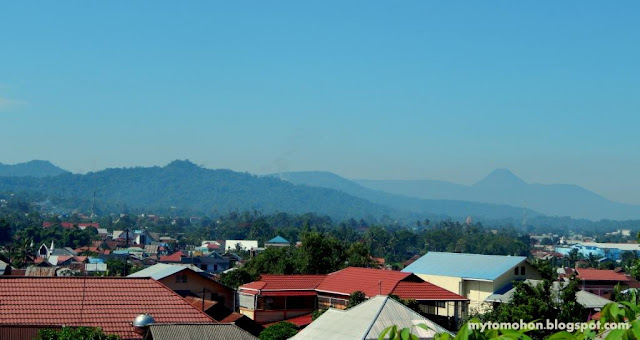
373,321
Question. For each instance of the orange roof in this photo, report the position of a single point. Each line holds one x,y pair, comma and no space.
299,321
600,275
175,257
285,282
110,303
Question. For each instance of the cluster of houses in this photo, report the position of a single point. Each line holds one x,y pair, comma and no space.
178,292
178,296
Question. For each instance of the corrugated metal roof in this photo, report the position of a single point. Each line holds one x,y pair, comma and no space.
198,332
366,321
473,266
161,270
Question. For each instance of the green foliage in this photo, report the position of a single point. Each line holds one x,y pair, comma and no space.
117,267
531,302
467,332
73,333
279,331
237,277
395,333
356,298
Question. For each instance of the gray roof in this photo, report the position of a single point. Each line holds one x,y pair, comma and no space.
588,300
366,321
469,266
161,270
219,331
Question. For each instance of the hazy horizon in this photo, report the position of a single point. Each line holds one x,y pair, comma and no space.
375,90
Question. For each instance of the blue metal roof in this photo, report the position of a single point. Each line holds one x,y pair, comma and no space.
278,239
474,266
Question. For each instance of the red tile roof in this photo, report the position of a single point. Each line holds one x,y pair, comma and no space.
285,282
175,257
109,303
371,282
424,291
374,282
196,302
600,275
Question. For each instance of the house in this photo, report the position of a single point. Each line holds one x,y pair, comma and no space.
211,263
109,303
473,276
173,258
590,301
197,331
600,281
281,297
189,282
277,241
366,321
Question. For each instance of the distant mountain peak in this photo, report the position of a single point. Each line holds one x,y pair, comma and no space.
501,177
184,164
34,168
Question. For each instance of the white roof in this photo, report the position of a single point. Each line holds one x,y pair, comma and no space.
161,270
244,244
366,321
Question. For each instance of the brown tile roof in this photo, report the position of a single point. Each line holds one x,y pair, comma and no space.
109,303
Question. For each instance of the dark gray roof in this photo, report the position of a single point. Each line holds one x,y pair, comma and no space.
221,331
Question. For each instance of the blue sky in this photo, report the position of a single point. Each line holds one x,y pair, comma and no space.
369,89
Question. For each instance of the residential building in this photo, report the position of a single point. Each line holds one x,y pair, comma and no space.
279,297
109,303
190,282
473,276
211,263
366,321
600,281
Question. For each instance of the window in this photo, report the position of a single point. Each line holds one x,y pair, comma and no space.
203,266
522,270
517,273
181,278
215,267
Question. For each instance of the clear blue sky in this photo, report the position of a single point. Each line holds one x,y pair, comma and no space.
371,89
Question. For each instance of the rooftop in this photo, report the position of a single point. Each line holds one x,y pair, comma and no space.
199,331
374,282
278,239
161,270
469,266
366,321
110,303
600,275
269,282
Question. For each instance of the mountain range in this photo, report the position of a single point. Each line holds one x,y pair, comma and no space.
184,186
503,187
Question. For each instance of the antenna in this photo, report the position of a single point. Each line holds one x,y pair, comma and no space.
93,205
